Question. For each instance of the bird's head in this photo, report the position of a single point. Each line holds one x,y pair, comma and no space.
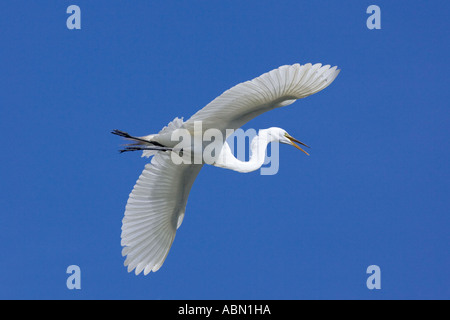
280,135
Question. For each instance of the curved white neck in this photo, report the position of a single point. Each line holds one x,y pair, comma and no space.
258,147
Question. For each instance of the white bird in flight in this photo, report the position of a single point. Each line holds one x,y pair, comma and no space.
156,205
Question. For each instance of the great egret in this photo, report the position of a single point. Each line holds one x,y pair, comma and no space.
156,205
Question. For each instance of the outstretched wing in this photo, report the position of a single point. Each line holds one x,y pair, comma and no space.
277,88
154,211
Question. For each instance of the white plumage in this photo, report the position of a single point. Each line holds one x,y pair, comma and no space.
156,206
154,211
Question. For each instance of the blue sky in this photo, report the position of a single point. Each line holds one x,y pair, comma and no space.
375,190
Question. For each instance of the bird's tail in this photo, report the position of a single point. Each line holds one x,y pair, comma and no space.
140,143
153,143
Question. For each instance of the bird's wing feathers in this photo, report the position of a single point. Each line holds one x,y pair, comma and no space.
154,211
277,88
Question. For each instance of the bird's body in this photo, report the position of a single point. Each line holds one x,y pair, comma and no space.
156,206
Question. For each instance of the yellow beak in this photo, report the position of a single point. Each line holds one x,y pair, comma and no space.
299,142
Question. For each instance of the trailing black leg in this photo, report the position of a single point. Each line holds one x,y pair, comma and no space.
142,148
126,135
